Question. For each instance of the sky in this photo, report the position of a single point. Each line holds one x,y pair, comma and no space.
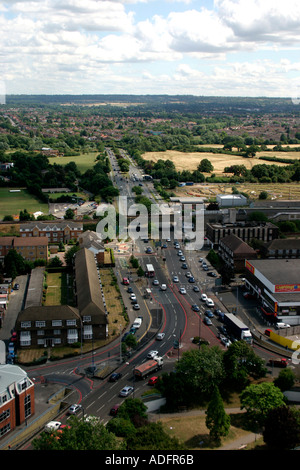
186,47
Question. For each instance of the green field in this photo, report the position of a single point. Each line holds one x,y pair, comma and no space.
13,203
84,161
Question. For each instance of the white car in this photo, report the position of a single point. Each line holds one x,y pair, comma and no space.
133,297
179,253
163,287
204,297
209,302
160,336
74,409
182,290
152,354
52,426
175,279
136,307
126,391
155,282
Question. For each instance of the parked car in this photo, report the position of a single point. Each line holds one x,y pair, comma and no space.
125,335
191,279
195,308
203,297
149,250
130,290
153,381
248,295
152,354
132,296
182,258
74,409
207,321
209,302
52,426
160,336
127,390
16,286
175,279
125,281
182,290
115,376
209,314
136,307
184,266
196,289
179,253
163,287
211,274
155,282
188,274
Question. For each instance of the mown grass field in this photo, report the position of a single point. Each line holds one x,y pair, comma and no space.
13,203
84,161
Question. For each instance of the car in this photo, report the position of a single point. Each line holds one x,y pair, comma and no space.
149,250
282,325
200,260
132,296
191,279
164,245
223,330
132,330
248,295
114,410
127,390
155,282
125,335
188,274
175,279
14,337
182,290
225,341
182,258
152,354
209,302
74,409
177,246
209,314
203,297
179,253
195,308
153,381
184,266
115,376
207,321
205,268
160,336
16,286
163,287
211,274
196,289
52,426
168,239
136,307
125,281
130,290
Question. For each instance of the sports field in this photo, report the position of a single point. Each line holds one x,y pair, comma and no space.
11,203
84,161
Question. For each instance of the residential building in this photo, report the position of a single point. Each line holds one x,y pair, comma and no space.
234,251
282,248
16,398
30,249
56,231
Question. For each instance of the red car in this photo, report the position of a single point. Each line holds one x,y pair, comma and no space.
125,281
114,410
153,381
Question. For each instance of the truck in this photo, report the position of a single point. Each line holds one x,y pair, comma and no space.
149,270
237,328
148,367
278,362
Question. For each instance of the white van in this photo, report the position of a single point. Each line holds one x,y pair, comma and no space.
137,322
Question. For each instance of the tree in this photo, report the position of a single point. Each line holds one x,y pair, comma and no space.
205,166
217,421
263,195
259,399
70,214
285,379
153,437
55,262
81,435
282,428
131,408
69,254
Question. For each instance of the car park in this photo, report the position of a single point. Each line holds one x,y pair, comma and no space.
207,321
160,336
127,390
74,409
153,381
175,279
155,282
152,354
182,290
196,289
115,376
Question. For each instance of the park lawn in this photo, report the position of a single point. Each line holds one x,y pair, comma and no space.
13,203
84,161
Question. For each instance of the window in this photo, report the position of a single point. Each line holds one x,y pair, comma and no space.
86,319
41,332
25,324
71,322
56,322
27,405
40,324
25,338
72,335
87,332
57,332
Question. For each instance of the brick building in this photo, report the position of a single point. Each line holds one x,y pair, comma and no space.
16,398
56,231
235,251
29,248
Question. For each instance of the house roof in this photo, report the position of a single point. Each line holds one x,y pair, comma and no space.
30,241
283,243
237,245
48,312
89,295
